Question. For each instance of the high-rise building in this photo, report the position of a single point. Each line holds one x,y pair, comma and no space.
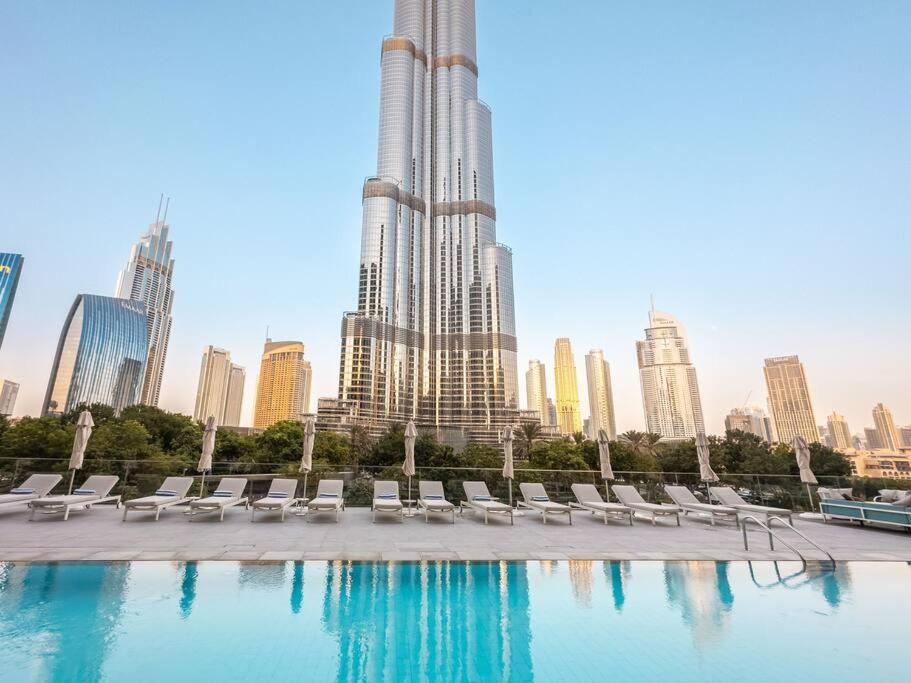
839,432
283,391
600,395
8,393
670,391
873,439
552,413
147,278
433,337
566,388
789,399
234,397
750,420
101,356
905,434
10,269
536,389
212,387
885,427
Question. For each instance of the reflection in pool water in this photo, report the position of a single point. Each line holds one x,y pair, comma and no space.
675,621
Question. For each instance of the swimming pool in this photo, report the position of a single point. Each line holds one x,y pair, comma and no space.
543,621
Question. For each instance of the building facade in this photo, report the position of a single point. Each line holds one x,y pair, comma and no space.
536,391
566,388
9,391
147,278
283,390
670,390
433,338
885,428
212,388
905,435
750,420
789,399
234,397
101,356
600,395
839,432
10,270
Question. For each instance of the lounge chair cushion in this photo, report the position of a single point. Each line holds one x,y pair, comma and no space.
277,494
835,494
166,492
222,494
483,499
890,495
904,501
540,499
84,492
22,492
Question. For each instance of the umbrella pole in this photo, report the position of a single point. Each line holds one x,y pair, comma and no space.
708,494
305,489
510,493
606,491
810,495
202,485
72,477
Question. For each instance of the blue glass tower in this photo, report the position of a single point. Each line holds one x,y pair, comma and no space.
101,356
10,268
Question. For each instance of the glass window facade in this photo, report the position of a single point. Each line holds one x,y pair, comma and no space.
10,268
101,356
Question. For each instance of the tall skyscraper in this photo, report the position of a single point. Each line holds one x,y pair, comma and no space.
212,388
283,391
147,278
873,439
10,269
905,434
552,413
789,399
234,398
433,337
600,395
8,393
750,420
536,389
101,355
670,391
569,417
839,432
885,427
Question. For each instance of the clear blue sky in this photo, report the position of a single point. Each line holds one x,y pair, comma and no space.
747,163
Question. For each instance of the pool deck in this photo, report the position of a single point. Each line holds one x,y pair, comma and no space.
99,534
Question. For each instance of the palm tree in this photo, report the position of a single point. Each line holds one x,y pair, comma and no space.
642,443
527,434
578,437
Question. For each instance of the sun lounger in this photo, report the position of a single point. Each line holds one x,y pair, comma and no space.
629,496
278,499
230,492
589,499
35,487
535,498
432,499
730,498
478,499
173,491
685,500
866,512
329,498
386,499
96,489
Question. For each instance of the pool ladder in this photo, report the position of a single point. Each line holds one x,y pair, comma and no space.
767,527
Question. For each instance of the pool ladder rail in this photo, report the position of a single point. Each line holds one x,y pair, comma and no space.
767,527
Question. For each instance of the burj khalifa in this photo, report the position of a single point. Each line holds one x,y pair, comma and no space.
433,338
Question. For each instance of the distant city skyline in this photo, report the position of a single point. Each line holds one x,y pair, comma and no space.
732,175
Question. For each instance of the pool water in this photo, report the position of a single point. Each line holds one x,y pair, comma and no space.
496,621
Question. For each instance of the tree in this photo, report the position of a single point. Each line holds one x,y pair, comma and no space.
119,440
578,437
101,413
527,434
282,442
170,431
826,462
642,443
557,455
333,449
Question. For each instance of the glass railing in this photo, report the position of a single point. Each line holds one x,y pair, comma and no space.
143,477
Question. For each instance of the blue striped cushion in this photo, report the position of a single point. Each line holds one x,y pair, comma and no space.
433,497
388,496
22,492
540,499
84,492
165,492
223,494
277,494
482,498
327,495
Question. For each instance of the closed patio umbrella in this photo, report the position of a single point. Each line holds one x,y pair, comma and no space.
508,472
307,456
706,473
83,432
411,435
802,452
607,473
208,448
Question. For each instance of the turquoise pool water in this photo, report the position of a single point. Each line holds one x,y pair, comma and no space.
542,621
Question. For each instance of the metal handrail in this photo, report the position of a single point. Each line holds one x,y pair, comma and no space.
773,535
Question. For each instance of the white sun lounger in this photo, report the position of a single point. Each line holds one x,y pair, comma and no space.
730,498
478,499
386,499
329,498
35,487
278,499
96,489
173,491
535,498
230,492
589,499
629,496
685,500
432,498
